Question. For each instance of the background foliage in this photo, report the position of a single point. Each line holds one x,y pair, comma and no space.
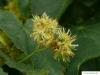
81,16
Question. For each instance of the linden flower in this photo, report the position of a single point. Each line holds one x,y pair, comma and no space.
44,24
42,29
64,46
66,37
47,32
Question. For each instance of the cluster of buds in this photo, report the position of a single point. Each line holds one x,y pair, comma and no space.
47,32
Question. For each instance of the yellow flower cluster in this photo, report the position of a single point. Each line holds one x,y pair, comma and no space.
43,27
64,45
47,32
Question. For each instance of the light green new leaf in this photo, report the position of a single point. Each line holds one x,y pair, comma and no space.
89,45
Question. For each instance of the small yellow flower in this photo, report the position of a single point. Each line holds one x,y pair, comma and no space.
42,29
47,32
64,45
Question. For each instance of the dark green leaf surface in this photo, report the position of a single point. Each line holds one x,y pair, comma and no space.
53,8
89,46
89,3
24,7
14,30
45,60
90,65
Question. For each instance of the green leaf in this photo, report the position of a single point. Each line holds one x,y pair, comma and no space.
24,7
14,30
90,65
89,3
54,8
6,58
25,68
38,72
2,73
89,45
45,60
28,26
